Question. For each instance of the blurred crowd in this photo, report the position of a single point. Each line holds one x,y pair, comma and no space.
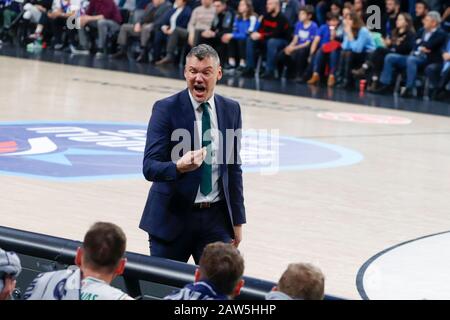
394,45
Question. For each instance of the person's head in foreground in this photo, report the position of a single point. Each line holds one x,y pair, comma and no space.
99,261
218,277
102,253
10,268
300,281
202,71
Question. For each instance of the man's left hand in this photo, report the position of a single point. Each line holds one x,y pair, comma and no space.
237,235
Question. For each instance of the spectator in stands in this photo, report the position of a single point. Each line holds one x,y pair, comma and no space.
100,260
427,50
245,22
401,41
222,24
290,9
219,276
322,7
201,20
140,6
102,16
151,19
445,25
439,74
336,8
298,53
328,51
33,10
10,269
300,281
346,10
359,7
260,7
126,8
422,9
177,18
272,36
436,5
357,43
62,10
9,10
390,17
56,19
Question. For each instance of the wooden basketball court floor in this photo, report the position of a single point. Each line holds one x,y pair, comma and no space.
336,216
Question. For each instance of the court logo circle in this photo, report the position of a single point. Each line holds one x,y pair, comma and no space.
105,150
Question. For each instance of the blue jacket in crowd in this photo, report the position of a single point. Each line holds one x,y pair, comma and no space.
363,42
242,28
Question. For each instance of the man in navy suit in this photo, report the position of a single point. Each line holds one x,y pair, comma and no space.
197,195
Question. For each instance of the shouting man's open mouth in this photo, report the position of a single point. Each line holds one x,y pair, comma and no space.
199,90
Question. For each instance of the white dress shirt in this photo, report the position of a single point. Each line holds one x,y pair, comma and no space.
174,17
214,195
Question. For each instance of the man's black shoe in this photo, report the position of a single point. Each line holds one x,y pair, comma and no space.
119,55
382,89
143,57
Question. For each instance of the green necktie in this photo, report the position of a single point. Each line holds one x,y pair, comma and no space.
206,182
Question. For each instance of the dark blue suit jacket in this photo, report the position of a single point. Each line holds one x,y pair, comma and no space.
172,194
182,20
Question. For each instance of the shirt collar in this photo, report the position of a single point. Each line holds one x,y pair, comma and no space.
431,31
196,105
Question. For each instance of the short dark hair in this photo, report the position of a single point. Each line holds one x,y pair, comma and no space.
309,9
203,51
337,4
425,4
302,281
221,1
397,2
331,16
104,246
222,265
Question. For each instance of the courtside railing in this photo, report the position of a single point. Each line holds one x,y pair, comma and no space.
145,277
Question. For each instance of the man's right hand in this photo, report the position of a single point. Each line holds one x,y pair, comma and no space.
191,160
137,27
255,36
165,29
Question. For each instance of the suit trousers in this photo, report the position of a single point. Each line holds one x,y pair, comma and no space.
202,226
127,31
